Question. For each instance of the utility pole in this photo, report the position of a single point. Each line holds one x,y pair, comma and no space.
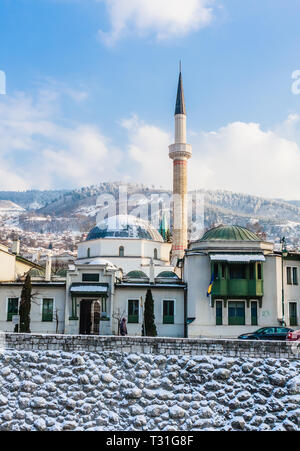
284,254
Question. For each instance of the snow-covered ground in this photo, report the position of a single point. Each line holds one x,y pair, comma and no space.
55,390
8,207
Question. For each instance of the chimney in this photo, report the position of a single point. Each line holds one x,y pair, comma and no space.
16,246
48,269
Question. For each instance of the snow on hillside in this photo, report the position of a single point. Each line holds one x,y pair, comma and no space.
77,210
8,207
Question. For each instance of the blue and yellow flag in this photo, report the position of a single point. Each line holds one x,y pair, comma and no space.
209,290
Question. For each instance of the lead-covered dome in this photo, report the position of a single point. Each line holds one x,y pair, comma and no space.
229,233
125,226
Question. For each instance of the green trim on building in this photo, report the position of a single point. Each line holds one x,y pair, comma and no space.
48,310
233,280
229,233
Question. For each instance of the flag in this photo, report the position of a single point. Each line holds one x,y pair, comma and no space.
210,285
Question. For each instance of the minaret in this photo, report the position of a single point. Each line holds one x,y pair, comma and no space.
180,152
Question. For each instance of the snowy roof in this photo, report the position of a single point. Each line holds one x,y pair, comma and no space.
238,258
88,288
95,261
125,226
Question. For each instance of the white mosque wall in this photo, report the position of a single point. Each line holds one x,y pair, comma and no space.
291,291
57,293
111,247
197,275
123,295
137,254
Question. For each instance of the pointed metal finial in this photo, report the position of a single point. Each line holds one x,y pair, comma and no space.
180,103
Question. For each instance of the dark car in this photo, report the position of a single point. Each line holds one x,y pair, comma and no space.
267,333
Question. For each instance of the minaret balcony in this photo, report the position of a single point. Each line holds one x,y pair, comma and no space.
180,151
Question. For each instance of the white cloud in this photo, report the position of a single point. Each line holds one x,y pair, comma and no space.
37,152
163,18
240,157
148,149
244,158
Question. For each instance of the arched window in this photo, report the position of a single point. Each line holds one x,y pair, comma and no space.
155,254
88,253
121,251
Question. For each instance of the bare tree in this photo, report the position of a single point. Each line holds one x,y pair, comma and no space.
118,316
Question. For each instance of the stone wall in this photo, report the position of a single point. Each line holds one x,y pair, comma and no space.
164,346
122,389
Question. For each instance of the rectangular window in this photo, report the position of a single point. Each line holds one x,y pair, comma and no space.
289,275
223,271
47,315
90,277
216,271
295,276
252,271
12,308
219,313
259,271
237,271
236,313
133,311
168,312
293,314
254,320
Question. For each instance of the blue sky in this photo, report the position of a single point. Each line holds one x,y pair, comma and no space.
91,88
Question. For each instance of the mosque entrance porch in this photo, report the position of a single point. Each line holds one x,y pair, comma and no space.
90,313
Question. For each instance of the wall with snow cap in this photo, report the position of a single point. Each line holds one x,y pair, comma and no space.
157,345
114,390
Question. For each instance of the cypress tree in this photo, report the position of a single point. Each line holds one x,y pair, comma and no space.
149,328
25,306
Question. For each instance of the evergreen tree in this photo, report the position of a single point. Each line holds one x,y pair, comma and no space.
149,328
25,306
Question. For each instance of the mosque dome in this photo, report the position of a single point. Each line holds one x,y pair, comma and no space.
136,275
167,275
125,227
229,233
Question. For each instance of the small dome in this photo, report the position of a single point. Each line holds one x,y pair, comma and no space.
167,275
136,275
125,226
229,233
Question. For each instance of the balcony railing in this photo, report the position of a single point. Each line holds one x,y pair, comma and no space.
238,287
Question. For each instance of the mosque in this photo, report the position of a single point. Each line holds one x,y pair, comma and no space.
222,285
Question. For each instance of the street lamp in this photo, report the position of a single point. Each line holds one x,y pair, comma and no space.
284,254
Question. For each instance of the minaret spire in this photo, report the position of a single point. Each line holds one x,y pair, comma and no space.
180,103
180,152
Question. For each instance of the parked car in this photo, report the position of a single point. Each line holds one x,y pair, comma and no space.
267,333
293,335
